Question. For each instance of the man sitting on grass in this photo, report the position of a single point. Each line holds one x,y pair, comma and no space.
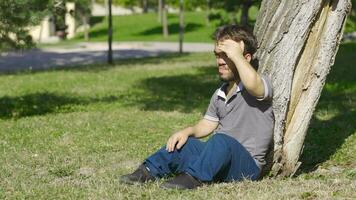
239,115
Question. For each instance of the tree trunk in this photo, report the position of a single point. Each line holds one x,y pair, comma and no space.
160,12
164,19
86,27
110,33
298,41
181,26
207,19
144,5
246,4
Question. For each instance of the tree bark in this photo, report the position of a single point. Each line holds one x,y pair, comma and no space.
86,27
246,4
207,16
160,12
298,41
165,19
181,25
110,32
144,5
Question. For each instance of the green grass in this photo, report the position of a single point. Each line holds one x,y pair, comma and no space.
70,133
145,27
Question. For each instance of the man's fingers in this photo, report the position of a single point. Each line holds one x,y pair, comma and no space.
180,143
174,144
171,143
221,48
170,146
242,45
167,145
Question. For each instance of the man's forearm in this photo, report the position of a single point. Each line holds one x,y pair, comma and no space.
188,131
199,133
203,128
194,131
248,75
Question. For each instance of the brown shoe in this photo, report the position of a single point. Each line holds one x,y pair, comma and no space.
140,175
182,181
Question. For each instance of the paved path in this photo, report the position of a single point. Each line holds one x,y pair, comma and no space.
88,53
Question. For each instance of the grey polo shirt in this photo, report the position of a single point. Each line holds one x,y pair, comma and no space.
244,117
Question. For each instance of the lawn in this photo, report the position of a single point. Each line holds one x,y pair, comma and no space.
145,27
70,133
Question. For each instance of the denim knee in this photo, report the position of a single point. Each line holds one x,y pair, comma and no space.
224,141
163,162
191,142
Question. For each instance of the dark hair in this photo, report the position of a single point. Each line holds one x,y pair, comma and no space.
237,33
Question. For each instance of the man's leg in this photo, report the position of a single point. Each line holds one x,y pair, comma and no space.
162,162
224,159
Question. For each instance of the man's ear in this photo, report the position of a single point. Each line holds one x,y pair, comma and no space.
248,57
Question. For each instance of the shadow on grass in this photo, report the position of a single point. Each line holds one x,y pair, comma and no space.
43,103
173,29
183,93
324,138
337,104
98,33
95,20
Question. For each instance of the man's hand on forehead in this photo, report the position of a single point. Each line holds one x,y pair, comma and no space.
230,48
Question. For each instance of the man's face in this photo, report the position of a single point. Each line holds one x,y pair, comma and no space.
226,68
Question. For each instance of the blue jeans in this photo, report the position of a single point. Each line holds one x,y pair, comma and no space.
221,158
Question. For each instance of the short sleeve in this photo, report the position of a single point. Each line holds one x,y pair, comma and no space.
268,94
211,113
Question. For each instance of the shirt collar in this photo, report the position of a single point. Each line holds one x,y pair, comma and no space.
221,91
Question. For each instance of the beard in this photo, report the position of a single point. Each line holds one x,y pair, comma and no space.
229,77
226,79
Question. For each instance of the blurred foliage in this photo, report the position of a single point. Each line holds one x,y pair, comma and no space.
227,12
58,10
221,12
129,3
15,17
228,5
351,20
82,9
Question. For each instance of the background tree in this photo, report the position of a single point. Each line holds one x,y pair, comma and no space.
110,32
15,17
82,14
245,6
144,6
164,11
351,22
159,11
298,41
58,10
181,25
226,12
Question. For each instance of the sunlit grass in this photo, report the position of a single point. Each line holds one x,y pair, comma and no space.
70,133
